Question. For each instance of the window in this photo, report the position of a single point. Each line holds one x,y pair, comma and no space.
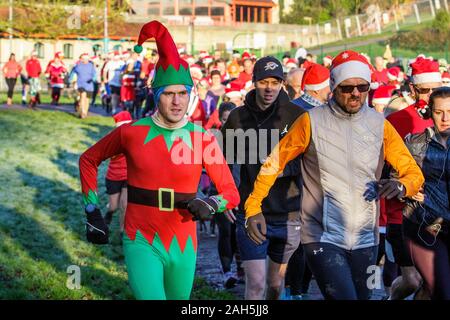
68,51
97,49
39,48
117,47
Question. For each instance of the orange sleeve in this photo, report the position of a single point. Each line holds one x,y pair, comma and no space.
293,144
399,157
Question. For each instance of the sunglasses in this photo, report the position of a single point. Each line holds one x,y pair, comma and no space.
360,87
424,90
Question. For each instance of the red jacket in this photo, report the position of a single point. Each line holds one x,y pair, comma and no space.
12,69
56,73
127,89
33,68
405,121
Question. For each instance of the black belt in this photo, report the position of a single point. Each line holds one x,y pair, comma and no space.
165,199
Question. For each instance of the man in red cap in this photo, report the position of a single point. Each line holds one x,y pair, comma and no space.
344,144
316,87
425,77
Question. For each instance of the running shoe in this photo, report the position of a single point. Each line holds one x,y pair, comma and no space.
230,280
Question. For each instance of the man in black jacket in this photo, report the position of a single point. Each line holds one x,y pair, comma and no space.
250,133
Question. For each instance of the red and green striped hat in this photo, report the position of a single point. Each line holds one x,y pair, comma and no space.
170,68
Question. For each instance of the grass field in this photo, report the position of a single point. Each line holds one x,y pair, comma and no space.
41,217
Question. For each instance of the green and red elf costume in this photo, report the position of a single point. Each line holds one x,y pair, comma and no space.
164,168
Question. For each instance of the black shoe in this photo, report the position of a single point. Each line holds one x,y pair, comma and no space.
230,280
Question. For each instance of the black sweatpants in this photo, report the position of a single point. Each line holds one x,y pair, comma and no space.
342,274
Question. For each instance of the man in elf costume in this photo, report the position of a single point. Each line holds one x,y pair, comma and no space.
165,155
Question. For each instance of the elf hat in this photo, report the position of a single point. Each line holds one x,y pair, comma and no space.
170,68
383,95
316,77
349,64
425,70
122,117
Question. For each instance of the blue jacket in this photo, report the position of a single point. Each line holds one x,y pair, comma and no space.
86,75
307,102
434,159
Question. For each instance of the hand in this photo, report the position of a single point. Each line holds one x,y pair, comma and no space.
256,228
419,196
390,188
203,209
230,216
96,229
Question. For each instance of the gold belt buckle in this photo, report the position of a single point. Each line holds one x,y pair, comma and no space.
160,199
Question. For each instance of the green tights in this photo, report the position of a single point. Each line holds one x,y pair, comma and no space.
157,274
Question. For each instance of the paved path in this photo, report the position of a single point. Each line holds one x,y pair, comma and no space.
95,111
208,267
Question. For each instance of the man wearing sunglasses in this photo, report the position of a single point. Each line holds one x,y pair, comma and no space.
425,77
344,144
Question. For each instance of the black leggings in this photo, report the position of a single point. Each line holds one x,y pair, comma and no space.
56,94
298,275
390,269
11,83
227,242
431,257
342,274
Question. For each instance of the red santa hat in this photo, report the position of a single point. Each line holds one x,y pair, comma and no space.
316,77
246,56
202,54
383,95
327,59
196,68
349,64
307,64
445,77
395,74
84,55
207,59
234,89
189,59
291,63
122,117
424,70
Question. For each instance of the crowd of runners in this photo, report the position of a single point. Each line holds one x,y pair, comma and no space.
321,170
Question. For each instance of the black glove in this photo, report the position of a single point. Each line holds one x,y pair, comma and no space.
203,209
96,229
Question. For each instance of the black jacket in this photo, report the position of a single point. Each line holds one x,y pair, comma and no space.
284,197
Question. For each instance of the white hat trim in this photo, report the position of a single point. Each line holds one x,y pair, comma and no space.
427,77
318,86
